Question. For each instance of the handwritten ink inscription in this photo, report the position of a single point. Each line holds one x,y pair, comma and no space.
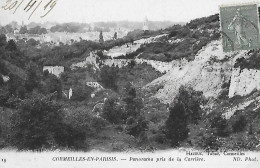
30,6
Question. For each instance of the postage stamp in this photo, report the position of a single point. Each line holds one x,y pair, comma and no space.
239,27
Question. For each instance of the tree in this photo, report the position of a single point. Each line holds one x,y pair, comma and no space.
9,28
2,40
101,38
32,42
11,46
239,124
14,24
53,85
23,30
184,111
136,124
3,68
191,100
2,30
108,76
219,125
81,93
111,111
176,125
13,83
133,104
1,80
39,123
137,127
33,78
115,36
37,30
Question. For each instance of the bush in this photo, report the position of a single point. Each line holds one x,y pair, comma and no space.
137,127
1,80
4,95
219,126
133,104
239,124
112,112
39,123
191,100
81,93
108,76
52,84
202,136
98,123
33,77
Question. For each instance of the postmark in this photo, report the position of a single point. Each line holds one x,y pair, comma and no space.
239,27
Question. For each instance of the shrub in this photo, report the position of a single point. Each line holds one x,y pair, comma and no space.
52,84
137,127
133,103
239,124
202,136
11,46
33,77
1,80
81,93
191,100
112,112
98,123
4,95
108,76
219,126
39,123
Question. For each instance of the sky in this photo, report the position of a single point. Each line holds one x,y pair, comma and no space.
88,11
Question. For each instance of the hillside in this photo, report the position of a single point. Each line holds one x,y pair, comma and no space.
149,90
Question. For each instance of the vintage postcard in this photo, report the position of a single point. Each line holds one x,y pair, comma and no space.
129,83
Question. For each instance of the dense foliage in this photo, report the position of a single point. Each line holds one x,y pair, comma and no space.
39,124
186,110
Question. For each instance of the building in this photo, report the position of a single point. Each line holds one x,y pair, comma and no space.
5,78
55,70
145,24
95,85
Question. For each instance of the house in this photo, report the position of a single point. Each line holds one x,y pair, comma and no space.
95,85
5,78
55,70
10,36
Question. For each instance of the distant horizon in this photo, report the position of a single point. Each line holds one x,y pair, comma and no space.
91,11
57,22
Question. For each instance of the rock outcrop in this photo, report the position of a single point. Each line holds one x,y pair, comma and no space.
244,82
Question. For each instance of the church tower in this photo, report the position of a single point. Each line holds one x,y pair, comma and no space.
145,25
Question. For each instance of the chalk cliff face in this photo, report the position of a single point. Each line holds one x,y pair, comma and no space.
157,65
243,82
207,73
129,48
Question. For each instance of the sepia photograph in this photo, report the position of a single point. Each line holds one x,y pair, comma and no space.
129,83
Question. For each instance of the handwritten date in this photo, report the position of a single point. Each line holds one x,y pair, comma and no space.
3,160
30,6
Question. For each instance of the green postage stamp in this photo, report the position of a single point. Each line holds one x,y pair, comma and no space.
239,27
